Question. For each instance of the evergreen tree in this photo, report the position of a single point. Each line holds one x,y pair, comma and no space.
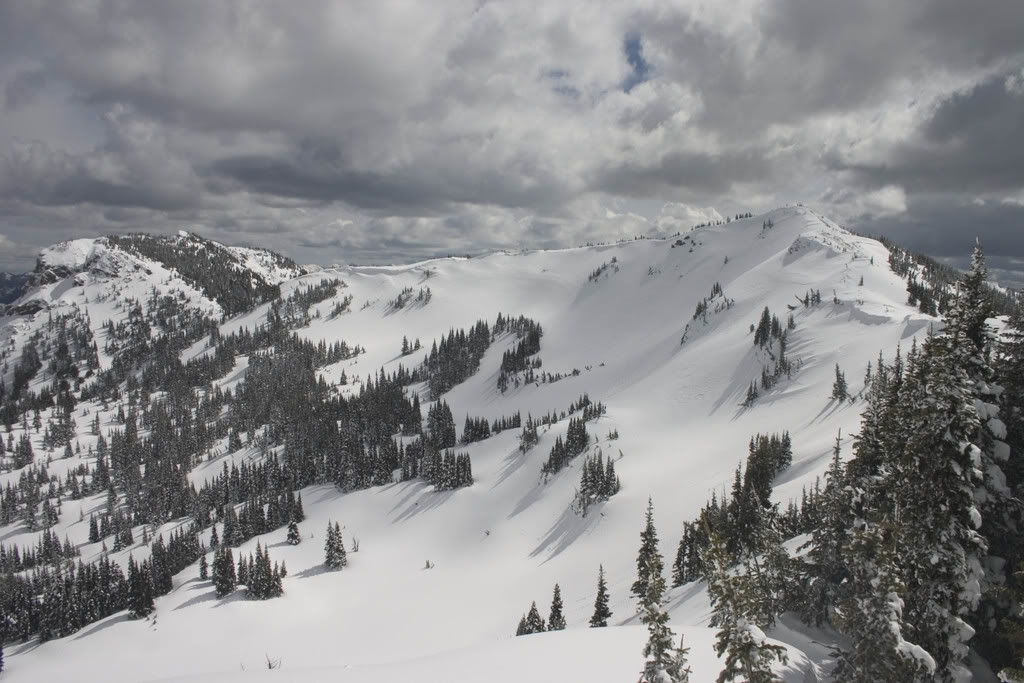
140,590
534,621
601,611
556,622
663,663
647,554
294,537
740,639
839,388
928,478
825,569
335,556
871,615
224,578
203,567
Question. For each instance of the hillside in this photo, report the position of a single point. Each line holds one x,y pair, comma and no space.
442,576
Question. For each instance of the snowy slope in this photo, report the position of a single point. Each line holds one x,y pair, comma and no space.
505,541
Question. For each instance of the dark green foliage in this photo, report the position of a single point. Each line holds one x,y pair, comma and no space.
601,611
140,589
598,482
931,504
648,556
839,389
335,556
825,569
294,537
263,579
441,426
475,429
224,577
556,621
735,599
533,622
663,664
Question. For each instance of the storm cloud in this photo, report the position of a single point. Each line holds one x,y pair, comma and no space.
386,131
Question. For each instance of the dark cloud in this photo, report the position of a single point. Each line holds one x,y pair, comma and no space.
971,141
466,125
946,229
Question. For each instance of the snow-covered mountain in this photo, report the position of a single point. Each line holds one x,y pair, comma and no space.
661,332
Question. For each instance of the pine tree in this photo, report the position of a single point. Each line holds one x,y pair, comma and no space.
224,578
663,663
534,621
826,566
335,556
747,652
203,567
601,611
871,616
646,555
928,478
294,537
839,388
140,590
556,622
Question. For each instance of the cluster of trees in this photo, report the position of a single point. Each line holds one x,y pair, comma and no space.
453,359
335,556
517,359
475,429
596,274
295,307
48,550
533,622
407,295
576,441
408,347
598,482
916,552
931,285
925,509
214,269
440,426
745,522
770,336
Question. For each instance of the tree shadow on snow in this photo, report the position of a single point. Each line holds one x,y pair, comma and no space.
206,596
312,571
104,624
564,532
428,500
512,463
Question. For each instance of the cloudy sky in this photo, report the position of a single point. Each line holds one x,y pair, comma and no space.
387,131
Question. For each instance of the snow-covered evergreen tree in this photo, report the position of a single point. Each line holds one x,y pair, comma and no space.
825,568
740,639
335,556
294,537
664,664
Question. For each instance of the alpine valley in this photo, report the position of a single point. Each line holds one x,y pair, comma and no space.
794,447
